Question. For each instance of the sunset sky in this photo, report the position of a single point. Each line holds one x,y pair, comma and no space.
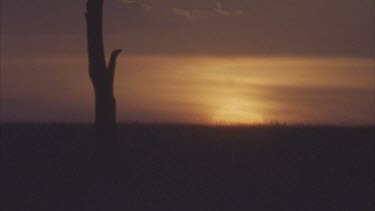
197,61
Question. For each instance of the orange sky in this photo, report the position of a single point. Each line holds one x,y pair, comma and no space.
197,61
197,89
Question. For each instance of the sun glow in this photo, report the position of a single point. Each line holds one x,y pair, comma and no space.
244,90
236,111
202,90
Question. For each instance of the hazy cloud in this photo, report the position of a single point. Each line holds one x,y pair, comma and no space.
184,13
192,14
219,9
289,27
145,6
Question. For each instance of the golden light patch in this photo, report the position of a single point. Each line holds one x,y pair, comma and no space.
236,111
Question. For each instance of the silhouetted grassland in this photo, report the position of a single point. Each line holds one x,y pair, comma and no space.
187,167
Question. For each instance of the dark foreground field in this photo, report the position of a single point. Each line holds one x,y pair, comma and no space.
190,168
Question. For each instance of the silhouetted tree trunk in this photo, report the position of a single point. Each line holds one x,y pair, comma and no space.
102,78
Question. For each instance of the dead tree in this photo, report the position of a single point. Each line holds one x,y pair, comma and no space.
102,77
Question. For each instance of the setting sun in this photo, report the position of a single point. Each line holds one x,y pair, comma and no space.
236,111
144,105
172,69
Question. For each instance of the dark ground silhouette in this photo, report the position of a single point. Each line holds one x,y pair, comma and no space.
193,168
